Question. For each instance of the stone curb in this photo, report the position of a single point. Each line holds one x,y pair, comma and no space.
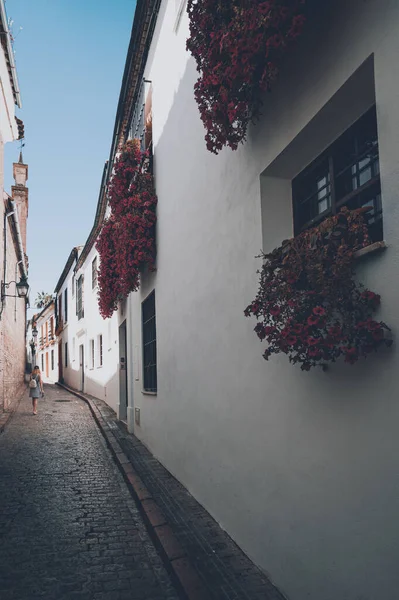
5,417
175,558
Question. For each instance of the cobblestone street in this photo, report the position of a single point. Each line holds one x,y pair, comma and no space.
69,528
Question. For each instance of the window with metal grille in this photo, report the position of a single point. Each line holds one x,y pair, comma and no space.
346,174
52,360
94,273
66,305
66,354
79,298
141,121
149,344
42,362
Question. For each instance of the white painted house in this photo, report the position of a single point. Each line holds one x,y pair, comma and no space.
300,468
47,348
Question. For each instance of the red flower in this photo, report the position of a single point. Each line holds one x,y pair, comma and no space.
312,320
312,341
291,340
319,311
275,311
298,328
335,331
351,355
268,329
372,325
314,352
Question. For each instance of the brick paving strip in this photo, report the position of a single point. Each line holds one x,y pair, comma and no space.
203,560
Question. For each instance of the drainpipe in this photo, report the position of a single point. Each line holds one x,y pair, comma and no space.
15,299
19,237
6,215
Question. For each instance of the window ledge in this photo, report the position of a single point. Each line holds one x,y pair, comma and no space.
149,393
376,247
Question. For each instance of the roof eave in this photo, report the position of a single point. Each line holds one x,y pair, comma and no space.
10,55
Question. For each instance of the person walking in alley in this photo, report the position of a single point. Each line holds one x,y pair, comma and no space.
35,387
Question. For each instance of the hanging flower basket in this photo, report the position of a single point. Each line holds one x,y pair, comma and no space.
126,244
238,47
309,305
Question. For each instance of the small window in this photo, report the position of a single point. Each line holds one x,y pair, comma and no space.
94,273
79,298
66,354
60,307
92,354
100,350
346,174
52,360
149,344
66,305
42,362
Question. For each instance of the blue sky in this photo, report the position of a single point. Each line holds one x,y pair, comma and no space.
70,57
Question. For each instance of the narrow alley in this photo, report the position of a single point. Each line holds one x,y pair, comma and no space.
69,528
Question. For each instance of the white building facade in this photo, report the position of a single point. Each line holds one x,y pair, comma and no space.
300,468
92,360
47,347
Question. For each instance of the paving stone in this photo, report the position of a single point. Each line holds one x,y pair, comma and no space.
69,528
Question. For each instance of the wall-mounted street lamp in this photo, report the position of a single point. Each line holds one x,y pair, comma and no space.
22,288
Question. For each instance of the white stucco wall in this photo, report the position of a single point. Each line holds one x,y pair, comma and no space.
301,469
101,381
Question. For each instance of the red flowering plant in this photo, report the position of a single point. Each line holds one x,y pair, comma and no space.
238,47
126,244
309,305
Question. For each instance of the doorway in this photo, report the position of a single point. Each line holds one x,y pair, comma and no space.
122,372
82,367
